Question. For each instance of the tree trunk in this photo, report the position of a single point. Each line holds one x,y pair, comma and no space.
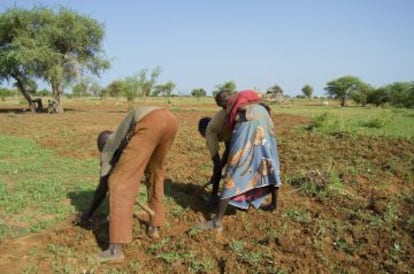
57,96
25,93
343,102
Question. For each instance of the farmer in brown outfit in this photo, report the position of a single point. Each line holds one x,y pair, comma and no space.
140,144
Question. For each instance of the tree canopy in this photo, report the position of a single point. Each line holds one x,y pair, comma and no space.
53,46
227,86
148,80
342,87
400,94
307,91
164,89
198,92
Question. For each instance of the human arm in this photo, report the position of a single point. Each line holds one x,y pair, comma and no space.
99,196
212,143
215,178
217,132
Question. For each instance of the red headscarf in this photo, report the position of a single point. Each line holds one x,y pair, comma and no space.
240,99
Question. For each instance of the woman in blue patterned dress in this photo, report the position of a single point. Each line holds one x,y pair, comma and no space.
253,164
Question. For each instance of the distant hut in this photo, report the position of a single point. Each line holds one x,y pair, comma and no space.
274,94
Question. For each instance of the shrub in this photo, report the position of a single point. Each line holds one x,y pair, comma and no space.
378,121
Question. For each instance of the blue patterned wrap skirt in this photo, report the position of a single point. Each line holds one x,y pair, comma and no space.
253,164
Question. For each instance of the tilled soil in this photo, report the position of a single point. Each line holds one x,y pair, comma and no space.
314,230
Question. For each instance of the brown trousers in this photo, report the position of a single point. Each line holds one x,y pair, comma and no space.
145,152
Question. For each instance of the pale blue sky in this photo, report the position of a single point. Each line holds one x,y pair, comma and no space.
200,44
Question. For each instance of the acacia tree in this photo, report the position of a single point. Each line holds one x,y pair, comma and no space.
115,89
198,92
132,87
16,59
57,47
148,80
164,89
401,94
227,86
307,91
86,86
342,87
361,94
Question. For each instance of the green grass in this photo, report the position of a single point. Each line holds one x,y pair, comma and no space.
394,122
38,188
357,120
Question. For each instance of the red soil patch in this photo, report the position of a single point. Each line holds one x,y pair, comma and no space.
307,234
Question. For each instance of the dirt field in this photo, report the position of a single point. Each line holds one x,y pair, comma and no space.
365,226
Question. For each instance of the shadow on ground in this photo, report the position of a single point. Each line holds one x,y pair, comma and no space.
187,195
24,110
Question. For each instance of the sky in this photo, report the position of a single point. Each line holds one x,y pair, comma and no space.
256,44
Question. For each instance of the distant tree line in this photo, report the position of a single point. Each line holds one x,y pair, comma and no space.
397,94
64,49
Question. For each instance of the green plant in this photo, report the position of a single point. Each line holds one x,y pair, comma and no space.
236,246
395,250
22,101
204,266
36,184
391,212
298,215
341,244
159,244
193,231
378,120
252,257
174,256
320,121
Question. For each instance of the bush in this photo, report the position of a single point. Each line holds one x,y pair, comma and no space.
378,121
44,93
4,92
325,121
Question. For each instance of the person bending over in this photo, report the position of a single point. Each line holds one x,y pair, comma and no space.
216,130
252,170
140,144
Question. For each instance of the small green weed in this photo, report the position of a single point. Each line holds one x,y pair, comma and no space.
159,245
298,215
252,257
341,244
174,256
391,212
204,266
318,184
395,250
236,246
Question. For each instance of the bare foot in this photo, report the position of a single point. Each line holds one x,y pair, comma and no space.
112,255
269,208
210,225
153,232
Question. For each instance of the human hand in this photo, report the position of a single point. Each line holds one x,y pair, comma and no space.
82,220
